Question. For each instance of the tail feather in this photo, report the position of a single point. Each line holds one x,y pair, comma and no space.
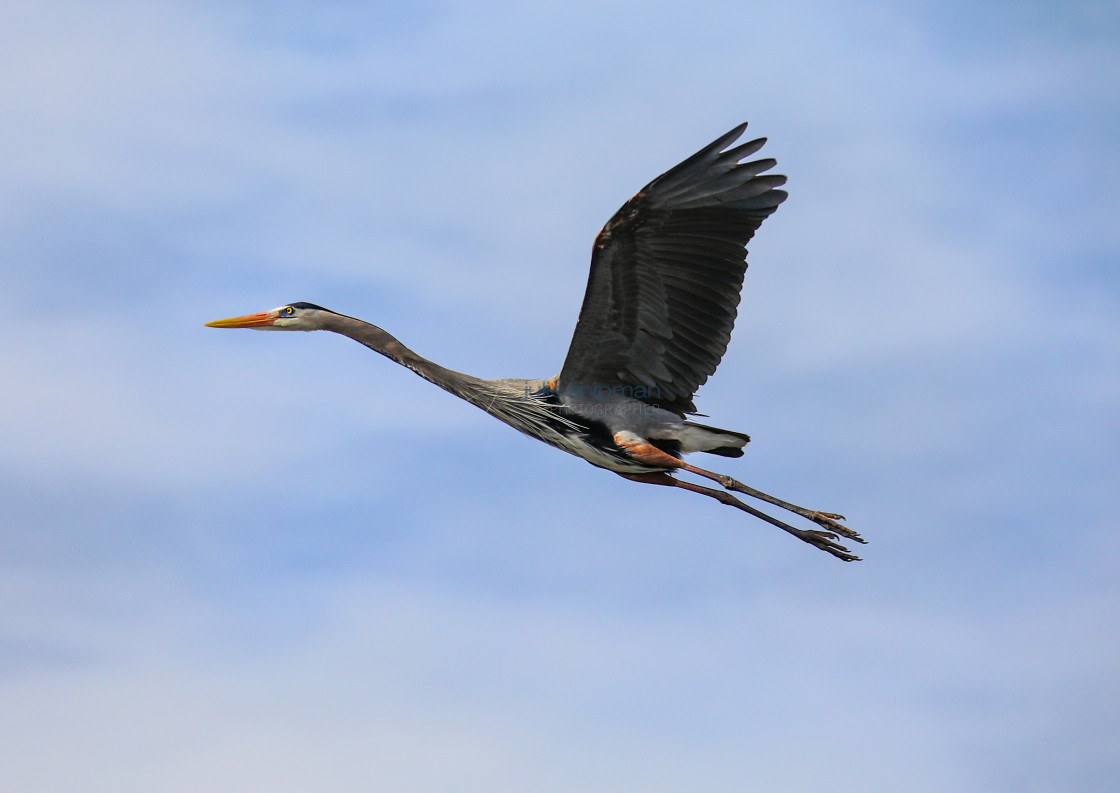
713,440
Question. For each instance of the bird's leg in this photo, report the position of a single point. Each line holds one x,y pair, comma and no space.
828,520
824,540
644,451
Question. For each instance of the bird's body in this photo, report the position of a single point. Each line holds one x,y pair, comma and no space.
661,301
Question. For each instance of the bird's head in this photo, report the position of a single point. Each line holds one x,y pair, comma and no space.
294,316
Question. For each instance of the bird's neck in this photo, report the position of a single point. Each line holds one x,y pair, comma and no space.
462,385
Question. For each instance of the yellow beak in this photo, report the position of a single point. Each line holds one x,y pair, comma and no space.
247,321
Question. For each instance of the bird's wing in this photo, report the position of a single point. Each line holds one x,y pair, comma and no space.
666,272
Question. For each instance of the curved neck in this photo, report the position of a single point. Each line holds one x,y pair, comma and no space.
378,340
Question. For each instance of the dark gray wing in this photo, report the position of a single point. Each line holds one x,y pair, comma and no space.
666,272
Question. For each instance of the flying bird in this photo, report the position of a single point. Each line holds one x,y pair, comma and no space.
661,300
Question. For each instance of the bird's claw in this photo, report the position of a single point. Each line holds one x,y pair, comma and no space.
829,520
826,541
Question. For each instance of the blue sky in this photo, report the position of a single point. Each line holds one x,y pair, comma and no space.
234,560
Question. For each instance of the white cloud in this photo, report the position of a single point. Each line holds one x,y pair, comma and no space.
253,561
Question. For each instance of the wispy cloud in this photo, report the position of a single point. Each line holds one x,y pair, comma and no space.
253,561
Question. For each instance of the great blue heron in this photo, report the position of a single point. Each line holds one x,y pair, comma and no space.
661,300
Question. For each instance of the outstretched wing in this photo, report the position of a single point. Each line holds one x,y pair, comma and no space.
666,272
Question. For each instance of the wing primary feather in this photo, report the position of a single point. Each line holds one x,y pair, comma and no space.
666,272
743,150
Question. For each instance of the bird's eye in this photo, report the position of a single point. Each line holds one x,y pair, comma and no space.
288,311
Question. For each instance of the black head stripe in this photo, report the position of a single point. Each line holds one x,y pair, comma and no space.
311,305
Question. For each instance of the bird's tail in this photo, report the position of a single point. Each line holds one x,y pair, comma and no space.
702,438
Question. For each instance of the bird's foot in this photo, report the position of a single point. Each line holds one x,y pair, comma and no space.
830,521
827,520
827,541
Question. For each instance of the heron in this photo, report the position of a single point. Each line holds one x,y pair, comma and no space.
661,300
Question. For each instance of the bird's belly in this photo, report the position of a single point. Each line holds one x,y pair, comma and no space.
614,459
577,429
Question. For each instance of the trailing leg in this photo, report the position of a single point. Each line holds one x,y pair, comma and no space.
828,520
824,540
